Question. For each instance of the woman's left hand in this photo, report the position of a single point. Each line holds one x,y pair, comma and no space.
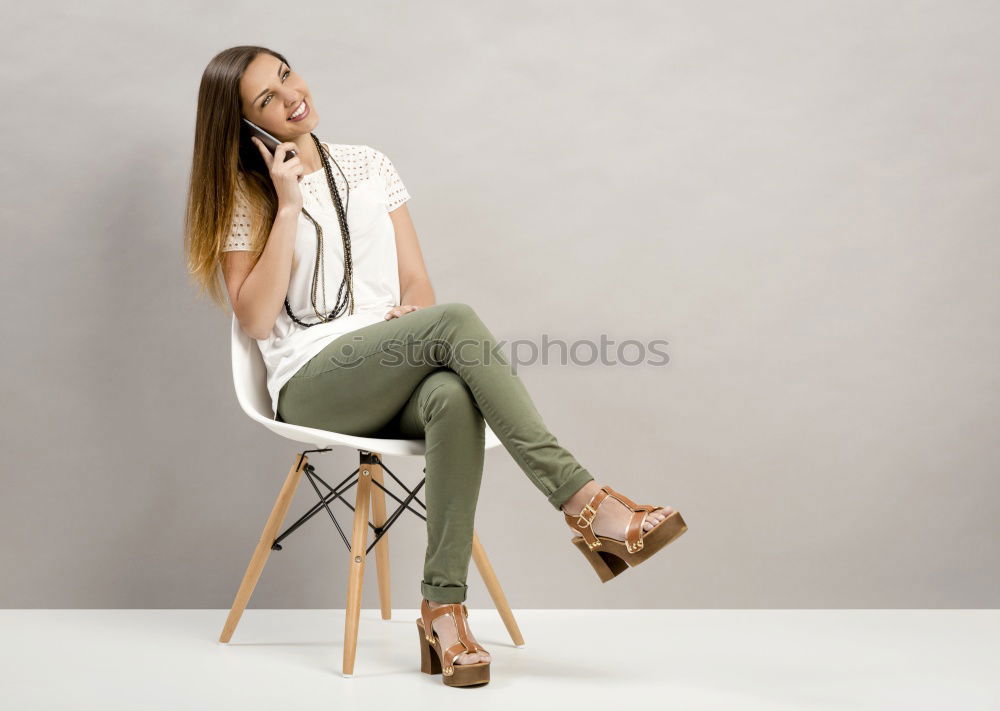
398,311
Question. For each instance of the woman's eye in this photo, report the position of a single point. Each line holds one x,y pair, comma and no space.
268,99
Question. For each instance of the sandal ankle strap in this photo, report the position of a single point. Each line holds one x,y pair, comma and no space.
583,521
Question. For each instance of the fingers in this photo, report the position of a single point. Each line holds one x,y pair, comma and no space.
292,165
295,167
281,168
282,149
263,151
397,311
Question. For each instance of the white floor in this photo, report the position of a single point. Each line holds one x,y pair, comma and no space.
585,660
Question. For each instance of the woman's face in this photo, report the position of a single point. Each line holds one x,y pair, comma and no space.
270,93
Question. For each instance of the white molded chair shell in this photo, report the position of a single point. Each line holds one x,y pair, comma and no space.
250,380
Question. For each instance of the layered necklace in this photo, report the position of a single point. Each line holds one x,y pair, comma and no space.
345,295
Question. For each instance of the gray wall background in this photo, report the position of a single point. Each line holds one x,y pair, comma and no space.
799,196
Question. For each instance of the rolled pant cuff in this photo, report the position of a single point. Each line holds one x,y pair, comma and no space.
443,593
566,490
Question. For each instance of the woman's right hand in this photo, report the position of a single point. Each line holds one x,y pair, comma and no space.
284,174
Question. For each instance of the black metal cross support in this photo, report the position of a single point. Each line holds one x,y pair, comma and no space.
336,493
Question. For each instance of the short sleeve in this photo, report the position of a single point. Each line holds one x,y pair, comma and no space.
395,192
239,229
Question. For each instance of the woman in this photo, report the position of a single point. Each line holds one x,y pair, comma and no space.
323,268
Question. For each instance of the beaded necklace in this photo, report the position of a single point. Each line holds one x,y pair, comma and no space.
346,291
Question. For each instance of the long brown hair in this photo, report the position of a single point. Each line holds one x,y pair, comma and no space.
222,164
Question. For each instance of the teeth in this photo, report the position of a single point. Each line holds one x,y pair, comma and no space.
298,111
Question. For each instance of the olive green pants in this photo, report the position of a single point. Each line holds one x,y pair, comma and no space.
434,373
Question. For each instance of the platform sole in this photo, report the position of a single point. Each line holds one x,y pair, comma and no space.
611,558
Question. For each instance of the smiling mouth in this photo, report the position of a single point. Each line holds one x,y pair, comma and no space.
301,111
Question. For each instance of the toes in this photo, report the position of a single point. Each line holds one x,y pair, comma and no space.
654,518
473,657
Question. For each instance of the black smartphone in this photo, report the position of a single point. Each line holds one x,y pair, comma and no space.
267,139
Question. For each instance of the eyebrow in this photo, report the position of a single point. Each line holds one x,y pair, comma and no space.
280,66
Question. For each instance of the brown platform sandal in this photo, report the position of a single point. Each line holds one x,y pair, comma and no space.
431,662
611,556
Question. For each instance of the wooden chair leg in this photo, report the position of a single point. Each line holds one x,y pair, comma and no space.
359,542
382,547
263,549
496,592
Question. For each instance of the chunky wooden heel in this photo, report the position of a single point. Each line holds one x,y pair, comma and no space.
435,661
429,662
610,557
605,565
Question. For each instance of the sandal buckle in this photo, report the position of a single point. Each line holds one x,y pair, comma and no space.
582,521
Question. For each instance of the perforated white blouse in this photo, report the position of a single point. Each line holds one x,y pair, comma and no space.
375,190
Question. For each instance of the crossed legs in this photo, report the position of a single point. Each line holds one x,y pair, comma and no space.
435,373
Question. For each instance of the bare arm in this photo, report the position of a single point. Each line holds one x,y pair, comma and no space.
257,293
414,282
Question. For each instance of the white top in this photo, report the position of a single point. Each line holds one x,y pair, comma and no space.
375,190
